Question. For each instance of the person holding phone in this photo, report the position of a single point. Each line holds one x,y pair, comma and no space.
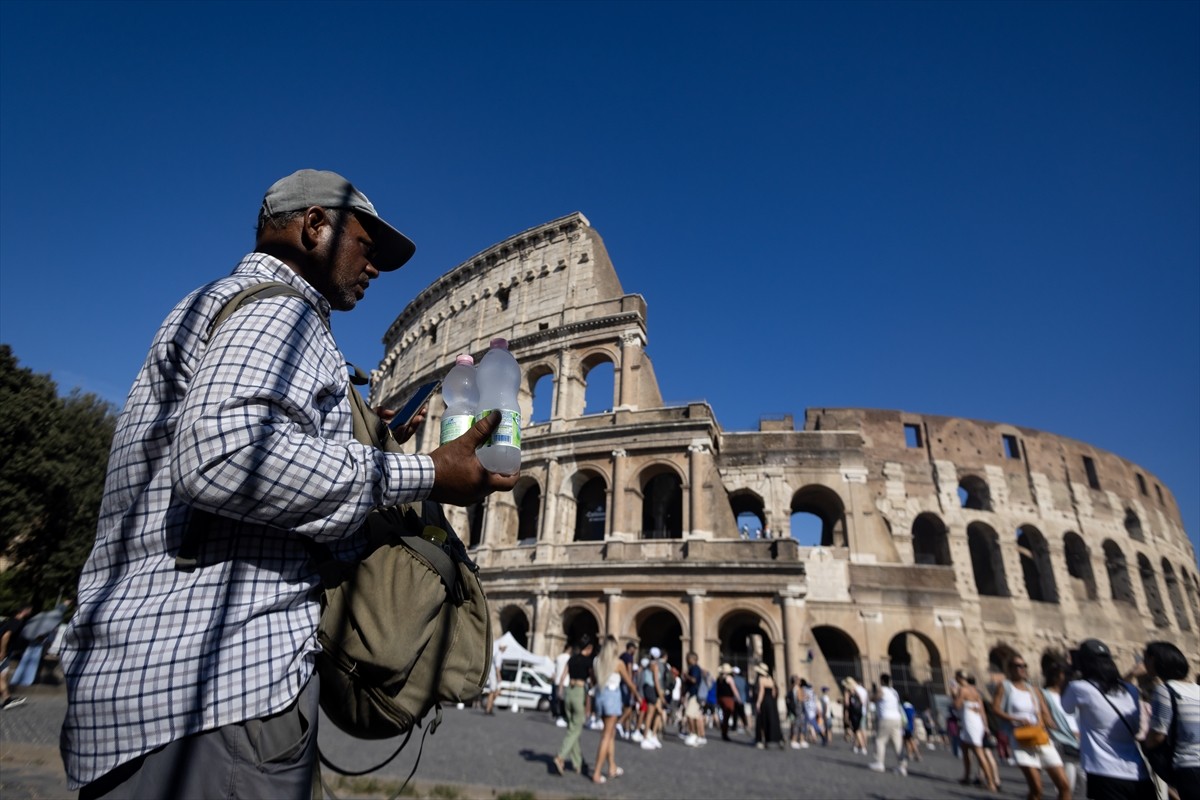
201,683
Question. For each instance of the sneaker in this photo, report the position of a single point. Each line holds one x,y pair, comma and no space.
902,769
760,746
620,731
795,745
701,741
637,736
691,740
13,702
560,722
803,745
648,744
875,766
657,743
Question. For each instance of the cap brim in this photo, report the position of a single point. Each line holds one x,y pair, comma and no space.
392,248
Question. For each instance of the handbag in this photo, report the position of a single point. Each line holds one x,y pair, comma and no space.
1031,736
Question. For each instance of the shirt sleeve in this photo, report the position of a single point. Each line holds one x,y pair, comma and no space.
264,433
1070,698
1160,714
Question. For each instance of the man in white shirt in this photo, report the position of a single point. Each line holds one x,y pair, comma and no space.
890,725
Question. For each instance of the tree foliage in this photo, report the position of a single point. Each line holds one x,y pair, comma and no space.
53,456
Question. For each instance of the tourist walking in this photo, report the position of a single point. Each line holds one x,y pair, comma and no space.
692,716
1065,733
889,722
1175,717
611,675
728,698
1022,710
1109,713
969,704
579,670
855,703
768,730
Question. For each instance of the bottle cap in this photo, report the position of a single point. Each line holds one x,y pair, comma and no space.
499,343
465,359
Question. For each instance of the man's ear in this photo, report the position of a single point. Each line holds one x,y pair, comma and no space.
315,228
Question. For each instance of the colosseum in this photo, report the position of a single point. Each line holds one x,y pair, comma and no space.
939,537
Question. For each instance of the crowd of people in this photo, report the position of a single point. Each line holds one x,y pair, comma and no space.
1131,736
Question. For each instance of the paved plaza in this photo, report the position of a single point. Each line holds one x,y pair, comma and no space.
484,756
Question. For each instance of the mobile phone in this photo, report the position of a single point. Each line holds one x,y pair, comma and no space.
415,402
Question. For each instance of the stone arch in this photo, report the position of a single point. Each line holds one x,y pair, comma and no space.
659,626
1133,526
527,495
931,541
662,501
974,493
514,620
1181,615
474,524
915,665
590,492
841,652
746,638
1118,573
578,619
987,561
1079,567
1192,589
591,400
746,503
827,505
1150,587
1035,565
540,384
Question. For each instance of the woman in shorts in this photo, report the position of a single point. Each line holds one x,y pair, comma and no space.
1019,704
611,673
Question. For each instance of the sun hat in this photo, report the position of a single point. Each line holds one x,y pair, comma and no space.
309,187
762,669
725,669
655,652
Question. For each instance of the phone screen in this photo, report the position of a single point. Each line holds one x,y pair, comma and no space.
414,403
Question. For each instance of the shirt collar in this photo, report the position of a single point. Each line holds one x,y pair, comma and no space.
261,265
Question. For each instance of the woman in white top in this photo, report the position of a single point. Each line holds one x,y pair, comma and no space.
1176,713
969,703
1109,714
1019,703
611,672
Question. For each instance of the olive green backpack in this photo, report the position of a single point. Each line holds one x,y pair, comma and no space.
406,628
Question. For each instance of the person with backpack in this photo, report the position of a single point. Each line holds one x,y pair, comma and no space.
189,673
1173,742
855,703
1109,712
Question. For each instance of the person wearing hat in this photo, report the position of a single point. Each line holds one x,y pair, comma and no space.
198,680
1109,713
768,731
728,698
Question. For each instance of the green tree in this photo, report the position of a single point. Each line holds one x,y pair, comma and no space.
53,455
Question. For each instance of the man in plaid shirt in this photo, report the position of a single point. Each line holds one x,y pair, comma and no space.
201,683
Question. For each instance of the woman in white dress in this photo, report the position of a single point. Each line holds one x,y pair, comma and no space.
969,704
1019,704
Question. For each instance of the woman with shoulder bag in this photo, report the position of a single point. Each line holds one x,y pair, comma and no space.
1021,706
1065,733
1109,712
1175,719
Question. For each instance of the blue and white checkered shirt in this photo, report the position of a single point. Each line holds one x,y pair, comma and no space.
253,427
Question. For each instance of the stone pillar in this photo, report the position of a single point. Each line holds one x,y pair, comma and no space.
616,511
697,640
791,604
699,459
541,614
626,391
612,608
488,534
549,524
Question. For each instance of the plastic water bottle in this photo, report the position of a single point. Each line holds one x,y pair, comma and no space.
499,378
461,396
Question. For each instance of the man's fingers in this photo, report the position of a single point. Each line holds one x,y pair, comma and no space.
483,428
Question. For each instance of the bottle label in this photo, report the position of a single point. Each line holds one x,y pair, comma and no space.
455,426
508,431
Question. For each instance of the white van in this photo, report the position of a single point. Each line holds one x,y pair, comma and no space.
522,685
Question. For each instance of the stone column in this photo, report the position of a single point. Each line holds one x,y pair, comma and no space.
699,458
616,515
541,614
697,641
612,608
549,524
630,352
791,605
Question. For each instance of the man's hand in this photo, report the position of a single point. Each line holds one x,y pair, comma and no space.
459,479
405,433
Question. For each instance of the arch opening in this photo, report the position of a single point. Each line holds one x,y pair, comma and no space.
591,510
974,493
662,506
1175,596
827,506
987,562
1150,586
744,642
1035,565
1118,573
1133,526
840,652
659,628
916,668
598,375
578,621
529,509
931,542
514,620
1079,567
749,511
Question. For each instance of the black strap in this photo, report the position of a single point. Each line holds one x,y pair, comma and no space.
430,728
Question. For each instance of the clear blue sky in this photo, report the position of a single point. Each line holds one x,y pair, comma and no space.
970,209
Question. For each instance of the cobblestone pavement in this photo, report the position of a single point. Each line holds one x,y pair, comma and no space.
484,757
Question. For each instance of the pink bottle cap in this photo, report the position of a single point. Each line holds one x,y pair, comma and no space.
499,343
465,359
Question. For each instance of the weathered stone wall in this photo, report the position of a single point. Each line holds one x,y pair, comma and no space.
940,536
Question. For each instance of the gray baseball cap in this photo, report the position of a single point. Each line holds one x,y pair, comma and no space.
311,187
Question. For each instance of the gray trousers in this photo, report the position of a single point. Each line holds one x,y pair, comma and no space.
273,757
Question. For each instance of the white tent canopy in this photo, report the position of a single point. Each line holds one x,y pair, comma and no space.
514,652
